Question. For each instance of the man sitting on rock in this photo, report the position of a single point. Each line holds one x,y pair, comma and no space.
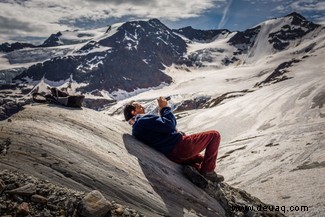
160,133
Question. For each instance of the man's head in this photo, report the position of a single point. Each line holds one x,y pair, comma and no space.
132,109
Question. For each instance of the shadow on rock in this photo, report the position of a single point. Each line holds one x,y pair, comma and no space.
158,170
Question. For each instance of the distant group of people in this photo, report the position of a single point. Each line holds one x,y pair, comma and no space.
160,132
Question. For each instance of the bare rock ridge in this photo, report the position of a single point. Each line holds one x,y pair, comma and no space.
94,155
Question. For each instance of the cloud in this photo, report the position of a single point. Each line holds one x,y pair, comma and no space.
44,17
11,28
281,9
41,18
13,24
308,5
24,19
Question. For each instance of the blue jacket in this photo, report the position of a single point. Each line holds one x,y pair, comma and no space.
156,131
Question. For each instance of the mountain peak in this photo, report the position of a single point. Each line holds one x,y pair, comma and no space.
155,20
53,40
200,35
296,15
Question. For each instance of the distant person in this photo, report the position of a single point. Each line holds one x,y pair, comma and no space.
160,133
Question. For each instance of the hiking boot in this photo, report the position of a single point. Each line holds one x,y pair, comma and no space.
213,176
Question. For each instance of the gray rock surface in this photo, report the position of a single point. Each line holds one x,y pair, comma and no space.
85,150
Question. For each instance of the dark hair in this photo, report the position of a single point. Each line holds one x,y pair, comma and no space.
128,111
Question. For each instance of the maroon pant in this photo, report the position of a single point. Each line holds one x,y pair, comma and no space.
188,150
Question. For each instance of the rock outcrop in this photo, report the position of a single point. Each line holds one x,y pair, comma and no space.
85,150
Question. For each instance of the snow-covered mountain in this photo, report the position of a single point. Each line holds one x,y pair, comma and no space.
133,51
123,59
262,89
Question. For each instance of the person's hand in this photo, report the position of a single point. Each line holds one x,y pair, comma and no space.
162,102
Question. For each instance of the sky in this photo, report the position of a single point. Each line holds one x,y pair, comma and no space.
35,20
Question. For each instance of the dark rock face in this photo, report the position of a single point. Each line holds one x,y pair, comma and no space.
244,40
53,40
279,73
299,27
55,69
141,37
6,47
196,103
200,35
134,58
295,29
207,102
